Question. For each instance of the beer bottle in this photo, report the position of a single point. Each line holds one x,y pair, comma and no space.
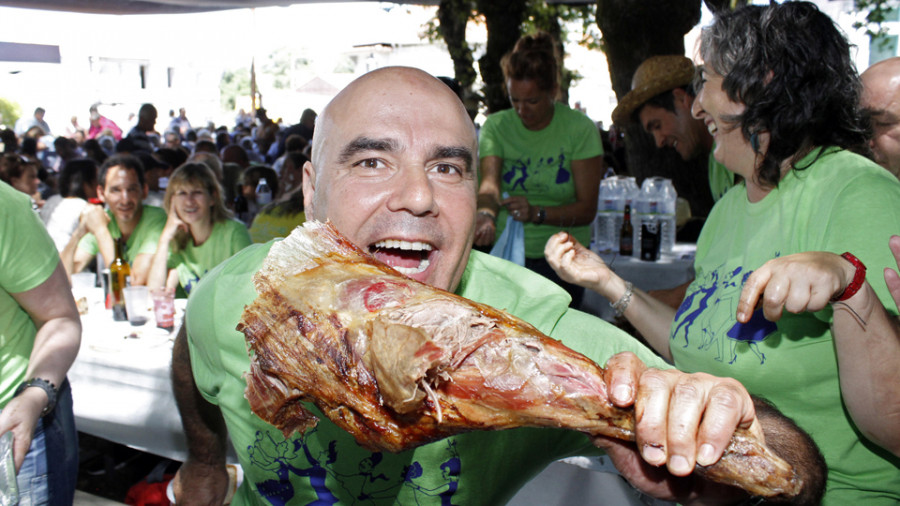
626,234
119,278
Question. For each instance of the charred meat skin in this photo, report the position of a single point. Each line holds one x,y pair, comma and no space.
398,364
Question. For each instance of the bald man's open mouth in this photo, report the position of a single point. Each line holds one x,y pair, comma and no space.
407,257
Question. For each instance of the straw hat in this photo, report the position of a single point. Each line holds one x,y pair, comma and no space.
656,75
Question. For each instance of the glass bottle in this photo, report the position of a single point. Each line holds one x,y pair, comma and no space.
626,234
119,278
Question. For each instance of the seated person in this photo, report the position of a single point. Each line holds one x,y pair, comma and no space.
199,232
61,212
21,173
280,217
247,184
122,188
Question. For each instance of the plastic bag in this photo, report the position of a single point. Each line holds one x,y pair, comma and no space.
9,490
511,244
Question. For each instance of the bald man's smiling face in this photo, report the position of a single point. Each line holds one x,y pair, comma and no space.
881,101
394,170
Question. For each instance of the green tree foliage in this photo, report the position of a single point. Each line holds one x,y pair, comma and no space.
877,12
9,112
505,24
235,83
280,66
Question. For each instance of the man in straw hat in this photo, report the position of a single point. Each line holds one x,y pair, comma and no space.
660,100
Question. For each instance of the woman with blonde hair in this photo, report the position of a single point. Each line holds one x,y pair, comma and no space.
199,234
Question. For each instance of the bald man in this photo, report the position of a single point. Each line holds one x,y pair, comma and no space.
881,100
394,170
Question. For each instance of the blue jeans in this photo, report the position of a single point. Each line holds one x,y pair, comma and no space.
50,471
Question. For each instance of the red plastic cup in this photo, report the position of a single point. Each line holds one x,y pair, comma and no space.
163,308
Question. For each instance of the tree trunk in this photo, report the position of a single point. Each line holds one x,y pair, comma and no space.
504,21
634,30
453,16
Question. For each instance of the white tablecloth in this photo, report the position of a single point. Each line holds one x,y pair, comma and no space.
669,271
120,383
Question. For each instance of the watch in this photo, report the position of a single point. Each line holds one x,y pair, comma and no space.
541,216
46,386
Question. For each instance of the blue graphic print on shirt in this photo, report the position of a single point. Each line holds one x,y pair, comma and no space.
709,312
525,175
367,485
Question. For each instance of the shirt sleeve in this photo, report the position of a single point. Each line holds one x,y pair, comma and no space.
588,143
26,250
489,142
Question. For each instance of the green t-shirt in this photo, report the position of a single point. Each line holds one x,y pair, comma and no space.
538,165
843,202
142,240
720,179
27,259
326,464
267,226
193,262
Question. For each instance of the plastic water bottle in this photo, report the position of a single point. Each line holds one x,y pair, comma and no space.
263,192
608,221
668,198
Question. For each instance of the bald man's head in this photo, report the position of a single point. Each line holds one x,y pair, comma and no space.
394,168
377,85
881,101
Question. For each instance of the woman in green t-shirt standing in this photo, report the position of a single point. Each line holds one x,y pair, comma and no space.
547,157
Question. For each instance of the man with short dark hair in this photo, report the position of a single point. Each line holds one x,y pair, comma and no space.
122,188
144,136
25,124
660,101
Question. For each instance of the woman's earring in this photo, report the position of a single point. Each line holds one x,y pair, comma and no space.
754,142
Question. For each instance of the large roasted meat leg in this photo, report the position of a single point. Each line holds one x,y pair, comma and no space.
398,364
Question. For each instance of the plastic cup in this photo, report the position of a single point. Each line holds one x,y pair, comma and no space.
83,282
137,304
164,308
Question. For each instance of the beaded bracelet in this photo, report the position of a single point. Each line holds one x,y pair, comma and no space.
622,304
859,277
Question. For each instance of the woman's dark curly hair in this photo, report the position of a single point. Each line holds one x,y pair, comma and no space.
790,65
536,58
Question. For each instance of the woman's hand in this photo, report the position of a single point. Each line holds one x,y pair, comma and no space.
518,208
20,416
796,283
485,229
576,264
173,224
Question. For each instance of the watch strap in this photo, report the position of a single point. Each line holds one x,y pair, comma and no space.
48,387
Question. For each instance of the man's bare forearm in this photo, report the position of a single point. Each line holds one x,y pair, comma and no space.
203,424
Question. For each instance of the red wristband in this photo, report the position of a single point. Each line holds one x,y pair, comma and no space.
859,277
